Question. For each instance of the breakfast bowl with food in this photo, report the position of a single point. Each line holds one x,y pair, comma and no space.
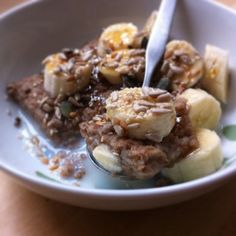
81,124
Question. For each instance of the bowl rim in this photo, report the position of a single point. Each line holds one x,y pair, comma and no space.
214,178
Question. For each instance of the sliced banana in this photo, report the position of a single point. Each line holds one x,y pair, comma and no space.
54,81
115,37
64,75
205,110
216,76
129,62
150,23
141,113
205,160
106,158
182,64
144,34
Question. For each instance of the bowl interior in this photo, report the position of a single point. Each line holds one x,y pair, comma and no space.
31,33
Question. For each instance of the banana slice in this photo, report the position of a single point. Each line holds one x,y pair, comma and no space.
54,82
141,38
182,64
202,162
150,23
129,62
106,158
216,76
141,113
65,75
115,37
205,110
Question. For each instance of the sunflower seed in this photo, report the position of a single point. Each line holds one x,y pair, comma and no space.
42,101
114,96
175,69
157,111
165,67
166,97
153,137
133,126
119,130
74,102
54,123
137,108
47,108
58,113
87,55
145,103
152,92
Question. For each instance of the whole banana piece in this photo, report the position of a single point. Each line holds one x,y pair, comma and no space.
142,113
63,75
205,160
216,77
182,65
126,62
116,37
204,109
142,37
106,158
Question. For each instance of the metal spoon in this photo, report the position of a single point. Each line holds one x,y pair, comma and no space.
158,38
154,52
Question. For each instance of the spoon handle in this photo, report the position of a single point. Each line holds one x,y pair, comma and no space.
158,38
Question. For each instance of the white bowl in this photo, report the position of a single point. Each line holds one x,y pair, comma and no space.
31,31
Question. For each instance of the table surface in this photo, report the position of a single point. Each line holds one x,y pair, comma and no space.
24,213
